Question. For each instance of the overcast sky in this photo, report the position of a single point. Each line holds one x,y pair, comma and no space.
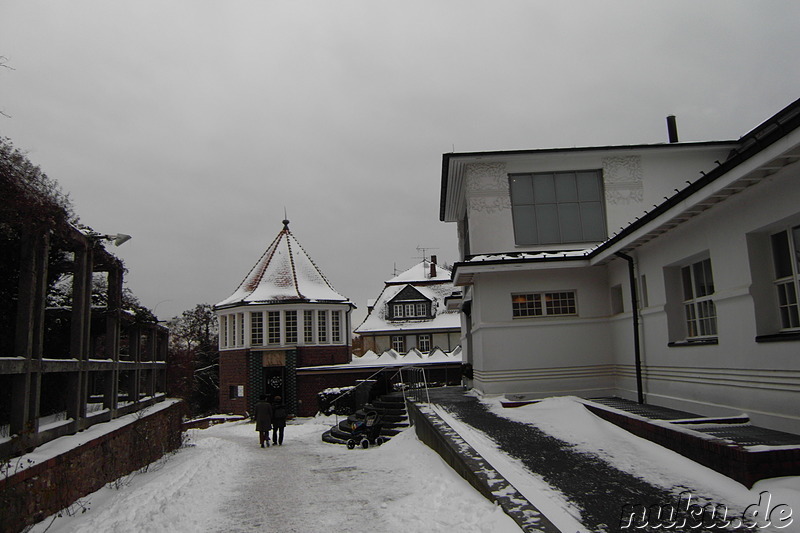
192,124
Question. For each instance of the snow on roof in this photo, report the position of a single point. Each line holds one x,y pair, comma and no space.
284,272
392,358
528,255
421,273
433,289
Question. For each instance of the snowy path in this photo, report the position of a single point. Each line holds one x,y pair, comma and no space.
285,488
226,482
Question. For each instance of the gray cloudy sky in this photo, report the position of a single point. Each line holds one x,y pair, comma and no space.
191,124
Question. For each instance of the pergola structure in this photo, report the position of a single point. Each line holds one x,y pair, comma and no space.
74,366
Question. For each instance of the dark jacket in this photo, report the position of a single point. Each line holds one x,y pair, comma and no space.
263,415
279,415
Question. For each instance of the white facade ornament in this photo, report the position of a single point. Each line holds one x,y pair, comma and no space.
486,178
622,179
487,187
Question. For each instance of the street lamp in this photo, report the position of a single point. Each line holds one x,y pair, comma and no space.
117,239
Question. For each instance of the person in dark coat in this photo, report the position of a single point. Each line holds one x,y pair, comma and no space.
278,421
263,412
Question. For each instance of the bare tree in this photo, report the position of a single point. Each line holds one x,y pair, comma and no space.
4,64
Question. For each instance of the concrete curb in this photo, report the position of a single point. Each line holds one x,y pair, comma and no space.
470,465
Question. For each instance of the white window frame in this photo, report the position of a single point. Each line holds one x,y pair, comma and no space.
336,327
290,327
787,278
223,331
424,342
273,328
308,326
322,327
399,343
257,328
544,304
700,312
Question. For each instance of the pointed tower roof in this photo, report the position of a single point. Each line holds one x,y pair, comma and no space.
284,273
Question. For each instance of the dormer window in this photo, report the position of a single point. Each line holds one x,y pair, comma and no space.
410,310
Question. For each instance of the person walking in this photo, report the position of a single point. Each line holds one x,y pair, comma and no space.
263,412
278,421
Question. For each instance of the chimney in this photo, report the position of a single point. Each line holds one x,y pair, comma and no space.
433,266
672,129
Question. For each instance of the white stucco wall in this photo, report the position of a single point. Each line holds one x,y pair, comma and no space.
634,180
593,354
738,374
542,356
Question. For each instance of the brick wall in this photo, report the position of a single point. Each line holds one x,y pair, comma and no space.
322,355
309,385
42,489
232,371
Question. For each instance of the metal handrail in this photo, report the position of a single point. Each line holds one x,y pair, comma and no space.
345,393
415,391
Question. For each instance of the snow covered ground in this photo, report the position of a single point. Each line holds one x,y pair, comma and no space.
225,482
565,418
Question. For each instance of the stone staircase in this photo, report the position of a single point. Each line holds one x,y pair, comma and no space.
391,409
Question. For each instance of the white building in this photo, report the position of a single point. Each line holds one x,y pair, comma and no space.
553,241
410,313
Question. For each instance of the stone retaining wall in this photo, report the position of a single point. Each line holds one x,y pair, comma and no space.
41,489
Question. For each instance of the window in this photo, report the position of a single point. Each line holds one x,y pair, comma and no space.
223,331
699,309
399,343
290,325
558,207
424,343
786,262
336,326
241,329
409,310
308,327
256,328
273,327
544,304
322,326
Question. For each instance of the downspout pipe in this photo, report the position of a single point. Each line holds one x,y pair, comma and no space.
635,313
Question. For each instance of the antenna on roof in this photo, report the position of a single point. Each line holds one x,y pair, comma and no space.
285,219
424,258
422,250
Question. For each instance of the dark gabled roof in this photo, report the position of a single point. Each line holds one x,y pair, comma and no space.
409,293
